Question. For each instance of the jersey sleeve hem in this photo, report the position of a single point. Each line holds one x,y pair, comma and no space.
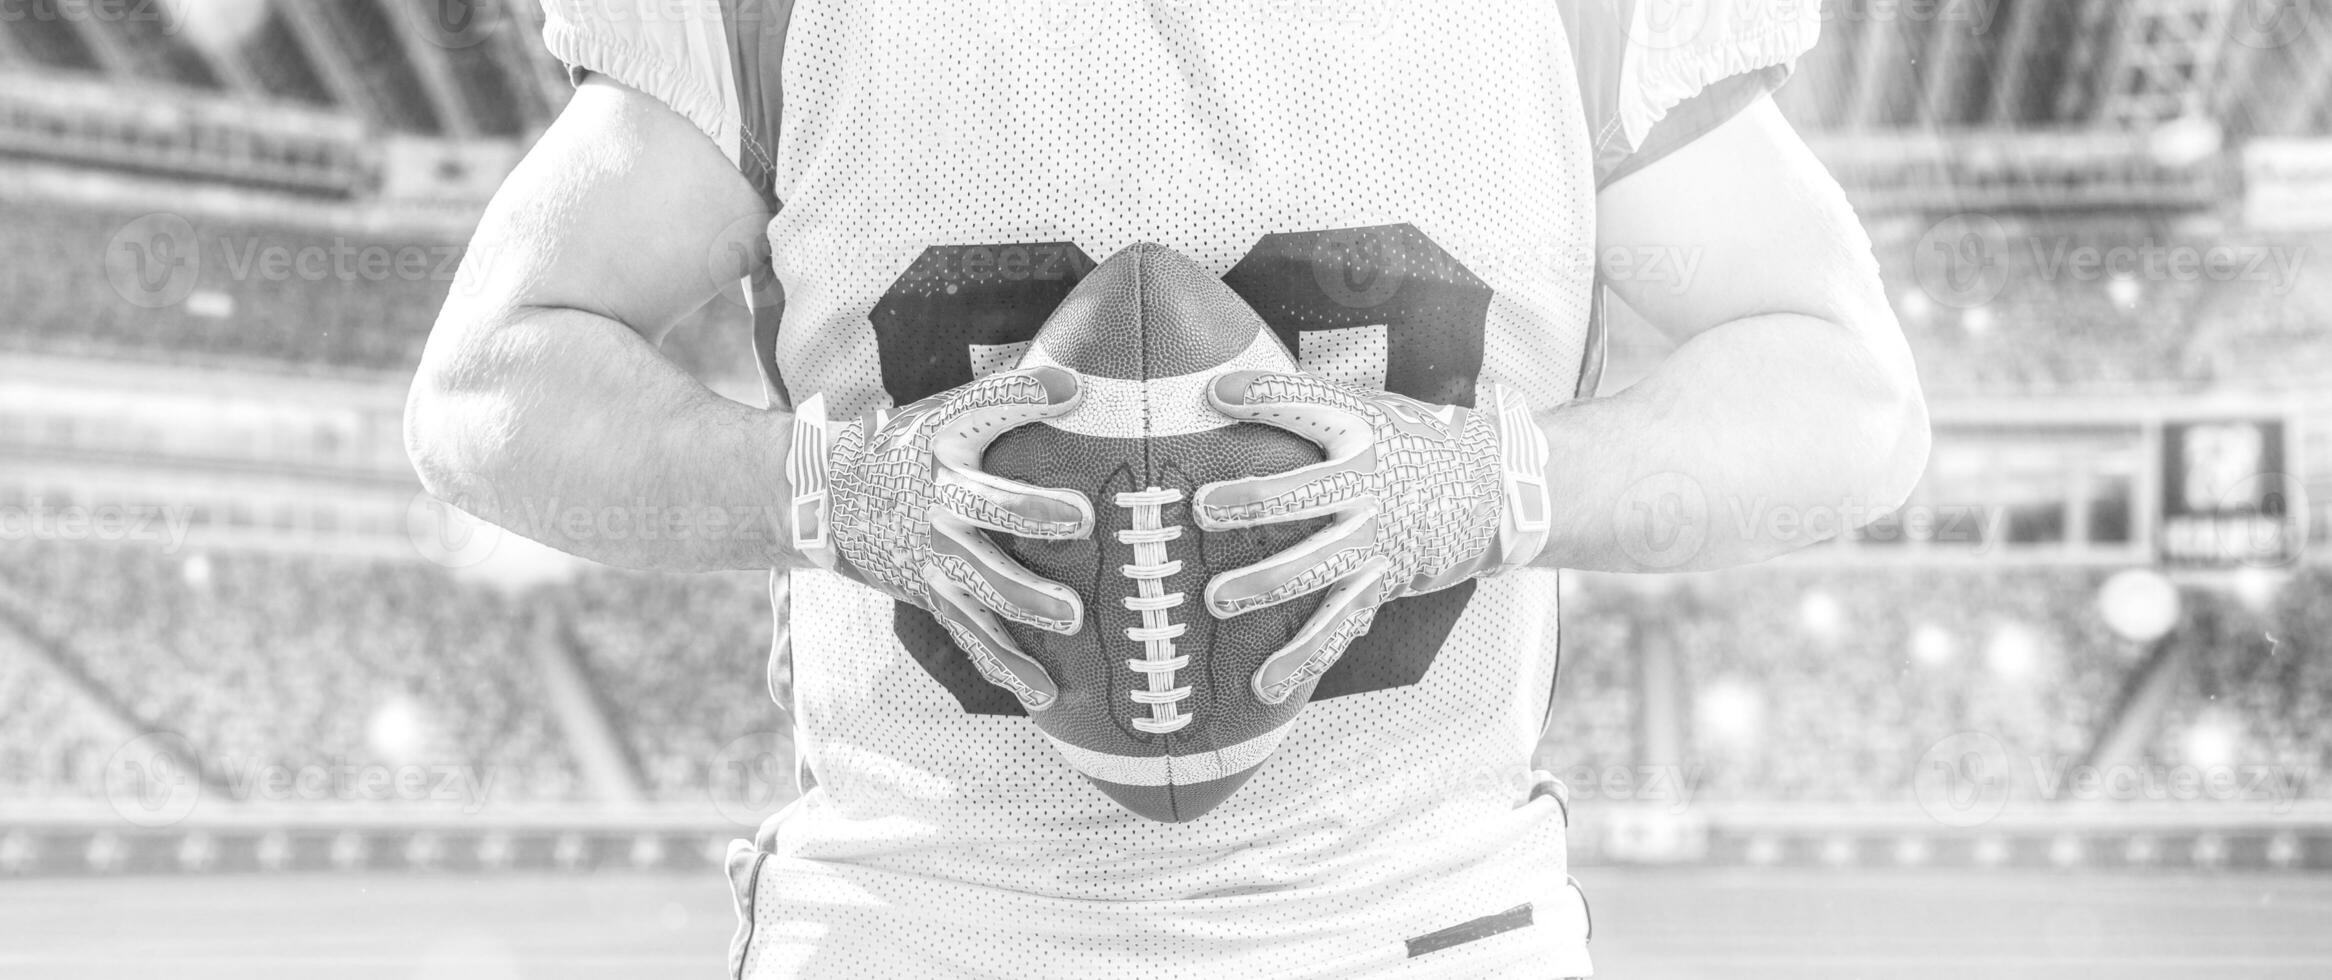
700,91
1741,37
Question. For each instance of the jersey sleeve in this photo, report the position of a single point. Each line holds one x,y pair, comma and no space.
1657,74
679,53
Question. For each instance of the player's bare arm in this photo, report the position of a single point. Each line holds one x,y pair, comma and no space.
542,394
1791,390
542,391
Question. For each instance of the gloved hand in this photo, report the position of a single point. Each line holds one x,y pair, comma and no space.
897,500
1422,497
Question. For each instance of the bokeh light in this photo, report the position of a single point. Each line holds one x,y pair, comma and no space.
2139,604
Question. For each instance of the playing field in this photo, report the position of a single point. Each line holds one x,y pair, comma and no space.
1650,925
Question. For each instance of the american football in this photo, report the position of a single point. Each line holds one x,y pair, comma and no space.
1156,706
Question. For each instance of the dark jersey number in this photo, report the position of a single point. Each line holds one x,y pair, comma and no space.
1384,307
962,311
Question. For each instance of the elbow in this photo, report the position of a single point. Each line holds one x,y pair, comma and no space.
449,436
1905,461
1898,439
430,442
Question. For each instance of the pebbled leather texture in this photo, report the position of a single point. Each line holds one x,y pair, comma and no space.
1153,314
1148,312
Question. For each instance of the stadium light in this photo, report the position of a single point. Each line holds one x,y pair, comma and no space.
2211,742
196,572
2185,141
398,730
1732,711
2257,588
218,25
2013,652
1822,616
2139,604
1914,306
1932,645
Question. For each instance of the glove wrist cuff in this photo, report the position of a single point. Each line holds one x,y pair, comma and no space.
1526,519
808,514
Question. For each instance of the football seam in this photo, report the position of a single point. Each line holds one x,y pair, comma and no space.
1149,570
1160,657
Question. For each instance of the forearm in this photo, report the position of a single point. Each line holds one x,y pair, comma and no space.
1753,439
585,438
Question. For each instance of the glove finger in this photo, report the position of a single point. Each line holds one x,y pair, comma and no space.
1315,563
983,638
975,565
1012,507
1344,615
975,415
1299,494
1329,414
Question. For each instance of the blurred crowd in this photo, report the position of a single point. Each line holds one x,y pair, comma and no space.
1786,683
260,661
139,286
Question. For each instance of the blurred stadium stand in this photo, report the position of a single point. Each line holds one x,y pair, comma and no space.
1790,708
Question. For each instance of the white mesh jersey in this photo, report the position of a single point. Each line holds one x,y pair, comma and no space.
1406,193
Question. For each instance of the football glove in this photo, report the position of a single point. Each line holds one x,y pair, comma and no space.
1421,497
896,500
